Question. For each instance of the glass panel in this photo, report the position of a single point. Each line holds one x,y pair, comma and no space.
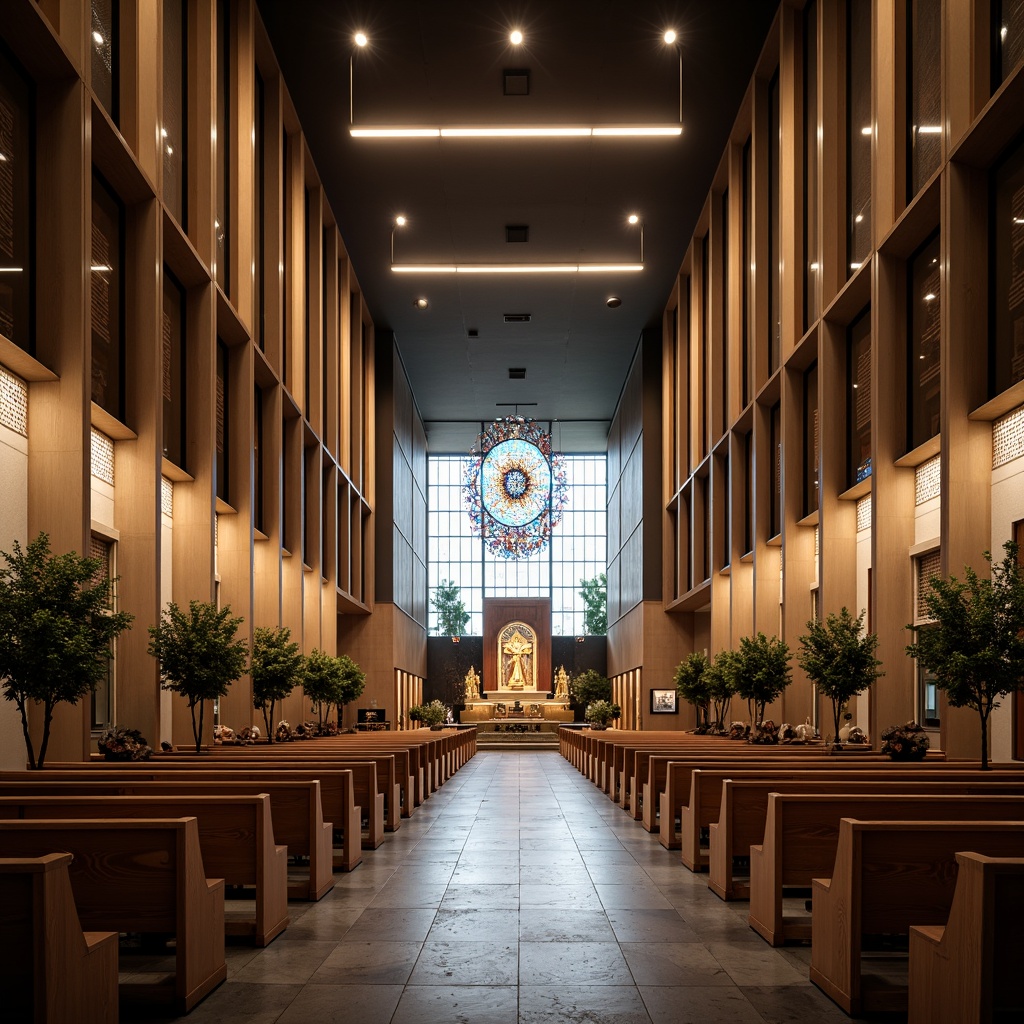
257,460
105,54
222,227
223,418
704,378
1007,358
811,445
173,371
257,226
774,228
173,131
860,131
1009,27
723,423
810,155
747,273
17,263
748,493
858,410
775,456
107,288
726,520
924,356
925,106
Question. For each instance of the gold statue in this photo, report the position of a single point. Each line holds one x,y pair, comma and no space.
561,684
517,647
472,684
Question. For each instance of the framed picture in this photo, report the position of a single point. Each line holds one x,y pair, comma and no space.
664,702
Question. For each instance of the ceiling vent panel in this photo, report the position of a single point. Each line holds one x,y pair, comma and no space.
517,373
517,232
516,81
518,318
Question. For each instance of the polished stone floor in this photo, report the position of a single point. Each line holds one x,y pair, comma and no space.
518,893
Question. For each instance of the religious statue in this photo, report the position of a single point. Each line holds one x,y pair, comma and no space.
561,684
472,684
516,648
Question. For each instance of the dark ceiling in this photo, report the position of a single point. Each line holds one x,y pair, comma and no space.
590,62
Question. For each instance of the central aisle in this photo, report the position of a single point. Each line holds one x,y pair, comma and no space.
518,893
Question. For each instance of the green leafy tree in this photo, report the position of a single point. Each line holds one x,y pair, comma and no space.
452,616
595,605
199,653
721,680
764,672
276,669
839,658
322,682
351,683
56,631
975,645
692,686
589,686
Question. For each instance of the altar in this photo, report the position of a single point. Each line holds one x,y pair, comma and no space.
518,704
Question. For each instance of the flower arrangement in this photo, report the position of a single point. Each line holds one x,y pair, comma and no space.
766,733
249,735
434,713
857,737
122,744
601,712
223,734
738,731
907,742
283,732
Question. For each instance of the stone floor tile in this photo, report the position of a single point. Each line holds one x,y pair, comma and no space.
343,1004
537,924
632,925
572,963
395,925
699,1005
475,926
673,964
560,1004
286,963
368,963
466,1004
237,1002
467,963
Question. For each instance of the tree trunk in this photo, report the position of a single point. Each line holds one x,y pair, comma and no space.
267,721
984,742
197,734
47,719
837,708
29,749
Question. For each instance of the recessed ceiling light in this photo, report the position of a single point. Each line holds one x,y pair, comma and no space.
613,302
515,37
360,38
670,36
421,303
865,131
401,220
634,219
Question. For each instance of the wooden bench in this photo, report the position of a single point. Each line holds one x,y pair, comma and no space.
140,875
236,840
51,972
801,834
966,971
294,802
889,875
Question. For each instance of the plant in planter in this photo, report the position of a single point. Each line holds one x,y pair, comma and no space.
322,682
351,684
763,673
721,683
199,655
839,658
905,742
975,644
119,743
588,687
434,714
416,713
691,681
599,713
276,669
56,631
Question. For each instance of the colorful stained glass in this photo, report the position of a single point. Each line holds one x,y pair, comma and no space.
515,487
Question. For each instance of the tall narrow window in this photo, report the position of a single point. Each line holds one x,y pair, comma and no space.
774,228
858,408
723,267
1008,25
222,222
925,92
102,700
325,433
259,243
725,467
747,326
812,276
173,386
748,493
1007,282
308,311
811,443
706,549
258,506
223,449
705,309
17,205
107,292
173,128
286,228
105,45
860,133
775,469
923,293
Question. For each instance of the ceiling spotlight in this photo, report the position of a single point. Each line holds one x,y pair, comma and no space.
515,37
401,221
613,302
670,36
421,303
634,219
361,39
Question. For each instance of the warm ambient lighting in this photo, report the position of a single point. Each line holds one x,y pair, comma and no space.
519,132
97,38
10,270
421,303
855,266
401,220
670,36
98,268
516,268
516,37
634,219
930,297
865,131
360,38
929,129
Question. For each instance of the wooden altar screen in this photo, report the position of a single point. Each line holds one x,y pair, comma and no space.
536,613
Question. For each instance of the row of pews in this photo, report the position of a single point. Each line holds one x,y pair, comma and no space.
194,848
925,856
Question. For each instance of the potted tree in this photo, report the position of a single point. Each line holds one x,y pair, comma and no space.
720,677
351,683
322,682
276,668
839,658
199,654
691,681
764,672
433,714
587,687
599,713
975,643
56,631
452,616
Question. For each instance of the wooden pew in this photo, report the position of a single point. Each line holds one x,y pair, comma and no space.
801,834
294,802
236,840
889,875
705,801
140,875
51,972
966,971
